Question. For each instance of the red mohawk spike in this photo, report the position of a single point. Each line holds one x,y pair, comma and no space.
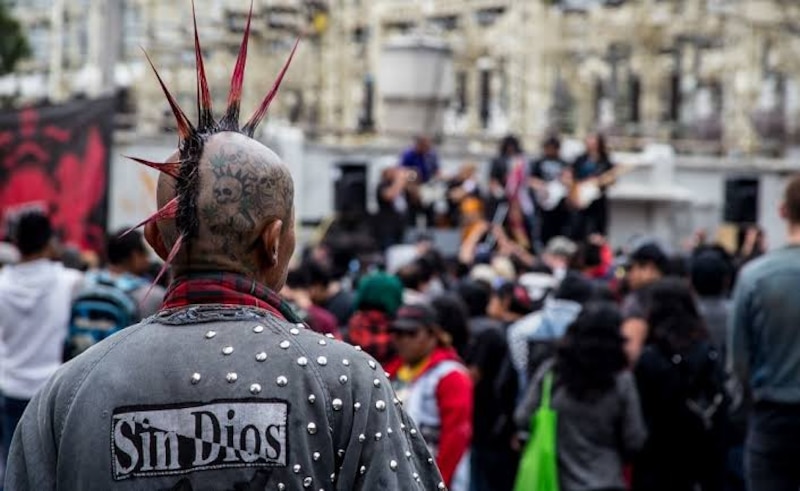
250,127
203,94
171,169
185,128
235,96
170,210
172,253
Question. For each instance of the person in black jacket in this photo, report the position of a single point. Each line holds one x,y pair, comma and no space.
680,379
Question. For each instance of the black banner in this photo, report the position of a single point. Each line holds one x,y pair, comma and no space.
56,159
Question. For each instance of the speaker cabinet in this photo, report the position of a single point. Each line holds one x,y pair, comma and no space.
350,190
741,200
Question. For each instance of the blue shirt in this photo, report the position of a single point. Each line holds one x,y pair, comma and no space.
426,164
764,326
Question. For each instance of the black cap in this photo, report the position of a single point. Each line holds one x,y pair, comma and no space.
650,253
414,317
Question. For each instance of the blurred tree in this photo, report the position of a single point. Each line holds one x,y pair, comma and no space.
13,43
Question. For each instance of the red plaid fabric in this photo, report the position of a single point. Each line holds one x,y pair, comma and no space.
226,289
370,330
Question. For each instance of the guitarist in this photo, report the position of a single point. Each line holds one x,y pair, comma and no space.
556,220
590,166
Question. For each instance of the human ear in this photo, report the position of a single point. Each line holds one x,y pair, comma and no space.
153,237
270,242
783,211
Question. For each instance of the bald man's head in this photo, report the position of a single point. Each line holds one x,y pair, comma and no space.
242,211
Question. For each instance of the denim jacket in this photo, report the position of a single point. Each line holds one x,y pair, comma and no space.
213,398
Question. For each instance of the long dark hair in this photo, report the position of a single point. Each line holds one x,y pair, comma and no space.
453,317
673,318
509,143
591,354
602,146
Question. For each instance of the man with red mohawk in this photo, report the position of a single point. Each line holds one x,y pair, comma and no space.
223,388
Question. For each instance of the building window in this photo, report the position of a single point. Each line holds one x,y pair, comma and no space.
485,97
487,17
446,23
461,92
39,38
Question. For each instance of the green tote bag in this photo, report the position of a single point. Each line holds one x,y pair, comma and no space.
538,468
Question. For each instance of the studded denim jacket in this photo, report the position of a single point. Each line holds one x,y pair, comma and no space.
218,398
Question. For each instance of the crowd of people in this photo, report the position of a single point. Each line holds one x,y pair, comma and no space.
668,371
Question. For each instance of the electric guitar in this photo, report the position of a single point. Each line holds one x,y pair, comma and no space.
582,194
549,194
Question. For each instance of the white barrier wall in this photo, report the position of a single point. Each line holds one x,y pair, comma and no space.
665,196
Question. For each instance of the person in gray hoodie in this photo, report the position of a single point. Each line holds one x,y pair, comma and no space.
223,388
35,299
532,338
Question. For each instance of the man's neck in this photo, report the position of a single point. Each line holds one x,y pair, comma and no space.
116,270
33,257
794,235
334,288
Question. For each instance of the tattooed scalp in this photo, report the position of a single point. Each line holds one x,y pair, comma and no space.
242,187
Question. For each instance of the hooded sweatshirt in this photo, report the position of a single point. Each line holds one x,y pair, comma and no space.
35,302
548,324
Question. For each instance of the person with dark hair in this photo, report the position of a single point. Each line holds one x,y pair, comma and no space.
326,290
509,303
295,291
416,277
681,383
711,270
35,298
224,388
509,149
594,259
128,257
646,265
378,297
752,244
764,353
553,212
532,338
393,200
436,390
494,462
600,424
421,159
422,166
594,167
115,297
453,317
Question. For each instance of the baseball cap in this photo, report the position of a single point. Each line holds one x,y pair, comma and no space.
414,317
561,246
650,253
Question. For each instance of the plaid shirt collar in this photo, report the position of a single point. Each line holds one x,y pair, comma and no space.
225,289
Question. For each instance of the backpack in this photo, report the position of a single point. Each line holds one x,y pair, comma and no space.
104,306
701,379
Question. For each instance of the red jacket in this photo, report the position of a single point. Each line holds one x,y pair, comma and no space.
448,378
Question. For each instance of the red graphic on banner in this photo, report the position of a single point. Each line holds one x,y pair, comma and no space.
55,159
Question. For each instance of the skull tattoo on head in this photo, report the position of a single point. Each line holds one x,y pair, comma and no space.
229,187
